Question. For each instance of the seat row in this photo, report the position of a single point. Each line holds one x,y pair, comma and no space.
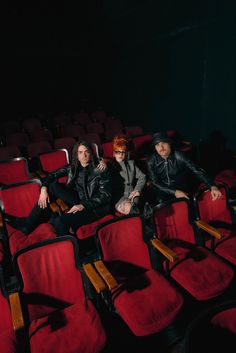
56,287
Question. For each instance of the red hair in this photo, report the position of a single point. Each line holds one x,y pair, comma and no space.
120,143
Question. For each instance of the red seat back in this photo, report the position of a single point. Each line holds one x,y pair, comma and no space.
142,145
14,171
121,240
209,210
19,199
49,275
54,160
171,221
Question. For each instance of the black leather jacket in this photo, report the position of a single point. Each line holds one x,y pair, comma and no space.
170,174
92,186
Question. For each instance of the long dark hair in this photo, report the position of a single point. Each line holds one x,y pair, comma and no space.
74,156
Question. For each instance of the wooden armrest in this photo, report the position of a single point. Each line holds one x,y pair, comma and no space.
209,229
167,252
106,275
1,221
54,207
64,207
186,142
94,278
16,311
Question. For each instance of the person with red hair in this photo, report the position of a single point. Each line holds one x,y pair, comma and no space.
127,179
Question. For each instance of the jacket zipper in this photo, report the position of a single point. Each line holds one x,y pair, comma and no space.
167,173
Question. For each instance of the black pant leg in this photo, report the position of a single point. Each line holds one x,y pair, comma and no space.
60,190
63,223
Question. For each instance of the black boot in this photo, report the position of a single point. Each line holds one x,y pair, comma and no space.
19,223
147,211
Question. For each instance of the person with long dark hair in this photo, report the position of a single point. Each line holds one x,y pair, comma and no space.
87,192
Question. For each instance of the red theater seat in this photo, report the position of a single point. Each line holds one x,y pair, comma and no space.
203,274
216,220
58,315
18,200
14,171
142,297
88,230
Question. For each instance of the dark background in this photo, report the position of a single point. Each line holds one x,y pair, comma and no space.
162,64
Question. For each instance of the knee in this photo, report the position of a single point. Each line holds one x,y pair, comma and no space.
59,226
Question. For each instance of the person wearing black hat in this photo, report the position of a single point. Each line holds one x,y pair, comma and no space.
169,171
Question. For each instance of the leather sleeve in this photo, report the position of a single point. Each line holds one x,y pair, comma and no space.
199,173
51,177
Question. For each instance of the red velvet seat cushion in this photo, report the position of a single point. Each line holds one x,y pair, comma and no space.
77,328
200,272
226,319
148,303
225,247
203,274
87,230
19,240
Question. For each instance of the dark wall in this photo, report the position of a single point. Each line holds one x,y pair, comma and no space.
161,64
58,56
174,65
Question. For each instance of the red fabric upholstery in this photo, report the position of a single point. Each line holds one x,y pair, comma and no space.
228,177
144,299
61,318
54,160
172,223
107,150
18,240
18,200
144,307
197,270
87,337
14,171
218,215
7,335
88,230
122,241
142,145
226,319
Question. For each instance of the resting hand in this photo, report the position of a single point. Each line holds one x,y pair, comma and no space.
133,194
102,164
76,208
43,198
180,193
215,193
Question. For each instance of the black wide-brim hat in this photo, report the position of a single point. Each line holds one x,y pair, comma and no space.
160,137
